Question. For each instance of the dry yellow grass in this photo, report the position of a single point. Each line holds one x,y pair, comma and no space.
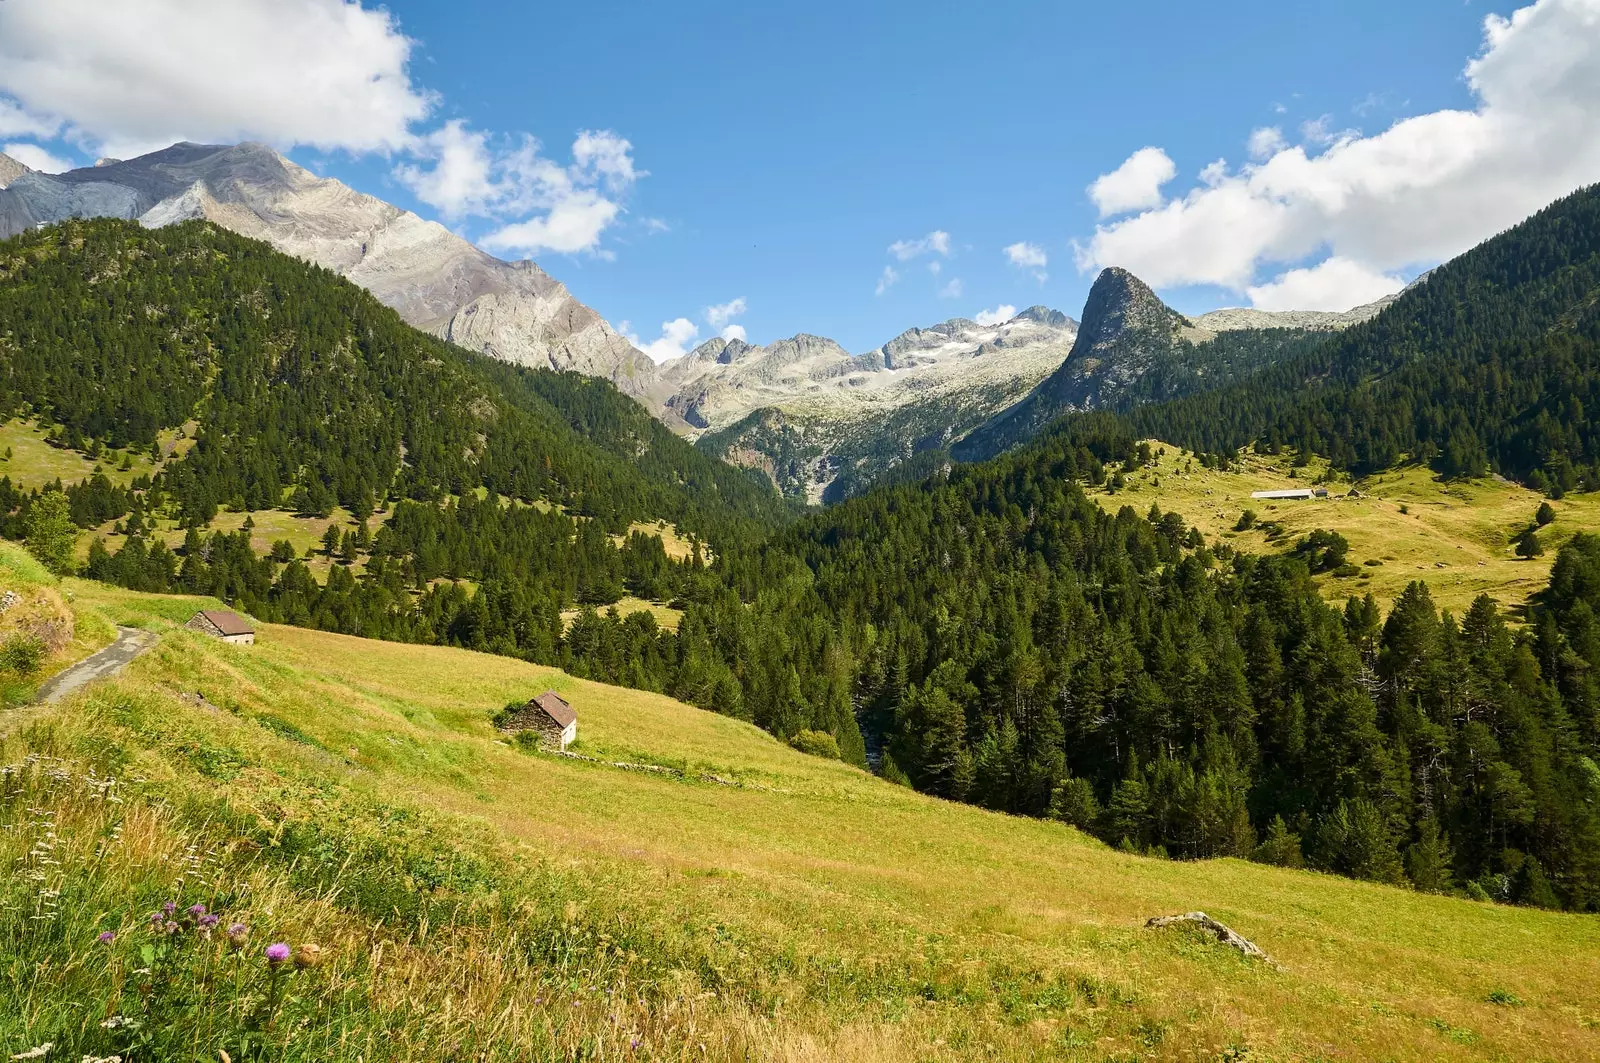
871,923
1454,535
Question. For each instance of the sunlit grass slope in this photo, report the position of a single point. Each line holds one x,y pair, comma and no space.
1456,536
476,900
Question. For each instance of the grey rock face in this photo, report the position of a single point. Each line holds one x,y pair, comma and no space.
436,280
1126,329
10,170
824,412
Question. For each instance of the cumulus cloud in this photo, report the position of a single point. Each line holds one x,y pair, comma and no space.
1028,256
734,332
1423,190
935,243
952,290
999,315
472,174
1334,284
36,158
676,336
1264,143
722,313
886,280
1134,185
16,122
127,77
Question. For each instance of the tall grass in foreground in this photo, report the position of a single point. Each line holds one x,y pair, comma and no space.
143,920
125,933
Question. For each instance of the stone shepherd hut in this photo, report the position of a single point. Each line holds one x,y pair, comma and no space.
549,714
223,624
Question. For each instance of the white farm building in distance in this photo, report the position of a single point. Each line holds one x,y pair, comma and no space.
1298,492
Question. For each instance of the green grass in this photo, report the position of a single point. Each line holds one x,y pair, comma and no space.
475,900
34,462
1453,535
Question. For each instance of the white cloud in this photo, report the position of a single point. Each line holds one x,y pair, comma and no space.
472,175
935,243
676,335
886,280
130,77
952,290
722,313
1424,190
1028,256
1265,142
1135,184
1334,284
139,74
655,225
36,158
734,332
15,122
999,315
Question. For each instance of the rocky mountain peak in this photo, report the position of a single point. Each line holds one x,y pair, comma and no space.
1120,303
10,170
1043,315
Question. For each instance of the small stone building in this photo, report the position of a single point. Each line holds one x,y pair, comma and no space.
549,715
223,624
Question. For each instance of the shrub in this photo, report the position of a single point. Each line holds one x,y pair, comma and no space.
21,653
1546,513
1246,521
816,744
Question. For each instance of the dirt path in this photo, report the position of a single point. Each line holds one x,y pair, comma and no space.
131,642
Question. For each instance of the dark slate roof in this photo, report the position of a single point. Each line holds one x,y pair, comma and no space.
228,622
555,707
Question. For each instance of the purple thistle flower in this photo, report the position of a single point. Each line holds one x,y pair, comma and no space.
206,923
277,953
237,932
196,910
169,907
170,928
156,919
106,937
635,1043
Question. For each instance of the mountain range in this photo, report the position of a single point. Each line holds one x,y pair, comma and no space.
819,421
437,281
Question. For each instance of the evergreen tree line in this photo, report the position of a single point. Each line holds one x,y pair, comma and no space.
993,636
1490,363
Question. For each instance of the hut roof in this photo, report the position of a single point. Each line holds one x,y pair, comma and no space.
555,707
228,622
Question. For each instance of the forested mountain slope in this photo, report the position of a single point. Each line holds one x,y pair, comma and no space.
1492,363
302,382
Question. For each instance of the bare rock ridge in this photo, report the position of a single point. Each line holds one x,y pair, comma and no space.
435,280
10,170
806,411
1125,329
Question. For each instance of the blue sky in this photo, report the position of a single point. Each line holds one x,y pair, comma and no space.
776,155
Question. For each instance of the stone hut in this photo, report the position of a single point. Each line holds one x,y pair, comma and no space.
223,624
548,714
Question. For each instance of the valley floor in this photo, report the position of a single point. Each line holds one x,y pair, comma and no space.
474,899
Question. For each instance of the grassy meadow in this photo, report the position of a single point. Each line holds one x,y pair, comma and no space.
1407,524
473,899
